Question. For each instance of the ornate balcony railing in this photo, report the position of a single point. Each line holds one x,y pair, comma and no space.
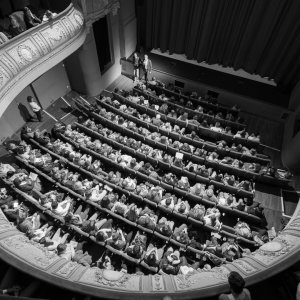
27,256
28,55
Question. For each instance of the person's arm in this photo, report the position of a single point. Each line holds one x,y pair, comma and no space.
150,65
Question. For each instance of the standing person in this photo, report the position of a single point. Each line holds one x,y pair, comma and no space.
147,67
238,292
136,66
35,108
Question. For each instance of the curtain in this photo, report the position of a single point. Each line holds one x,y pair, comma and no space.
259,36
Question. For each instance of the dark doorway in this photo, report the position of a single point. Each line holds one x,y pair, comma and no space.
103,43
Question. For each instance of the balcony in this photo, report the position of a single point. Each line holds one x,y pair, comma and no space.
30,54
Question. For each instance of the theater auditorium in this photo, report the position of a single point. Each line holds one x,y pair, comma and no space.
149,149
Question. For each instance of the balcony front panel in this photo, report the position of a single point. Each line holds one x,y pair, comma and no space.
27,56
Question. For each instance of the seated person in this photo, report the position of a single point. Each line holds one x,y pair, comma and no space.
157,121
137,247
155,194
230,250
147,218
181,234
245,185
212,218
48,16
104,230
78,217
198,189
109,200
95,194
105,262
182,207
152,256
66,250
120,207
165,227
197,212
183,183
243,229
30,18
114,178
168,201
171,261
118,239
183,117
253,137
37,234
210,195
24,183
5,198
62,208
129,184
26,223
133,212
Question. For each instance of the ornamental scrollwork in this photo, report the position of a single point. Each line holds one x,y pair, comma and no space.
26,53
119,282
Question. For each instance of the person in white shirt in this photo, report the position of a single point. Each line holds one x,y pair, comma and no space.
35,108
147,67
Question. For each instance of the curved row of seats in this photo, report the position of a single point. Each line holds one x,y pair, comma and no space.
115,216
203,103
210,146
174,136
71,227
170,167
194,158
228,231
183,247
153,98
203,130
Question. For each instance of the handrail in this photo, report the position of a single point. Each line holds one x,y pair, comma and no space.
30,54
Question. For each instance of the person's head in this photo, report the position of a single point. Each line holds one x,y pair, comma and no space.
135,54
68,217
61,248
115,236
182,207
54,204
100,236
152,257
136,249
236,282
168,201
30,99
146,56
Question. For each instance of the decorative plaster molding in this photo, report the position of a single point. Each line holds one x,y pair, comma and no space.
32,53
271,258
